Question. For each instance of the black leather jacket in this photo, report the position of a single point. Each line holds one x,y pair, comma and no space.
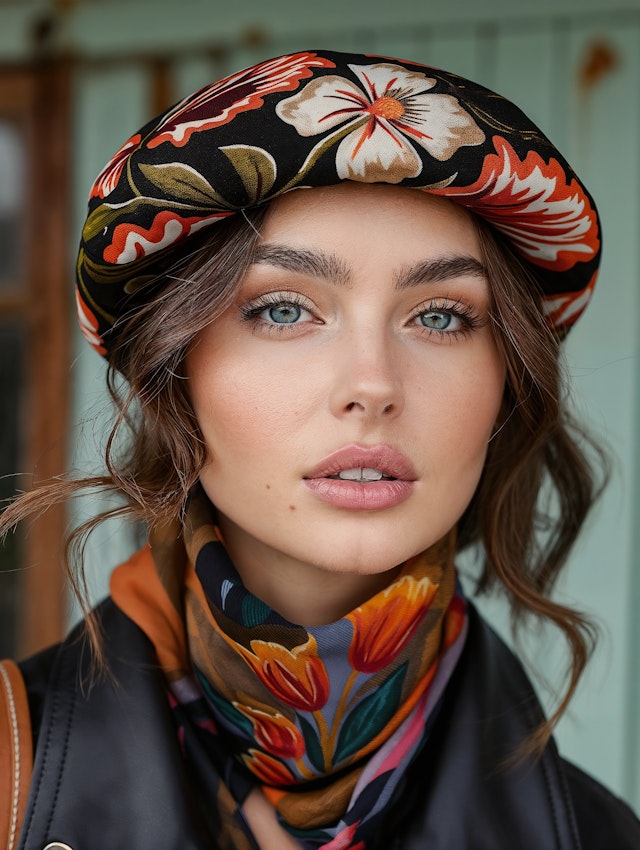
109,774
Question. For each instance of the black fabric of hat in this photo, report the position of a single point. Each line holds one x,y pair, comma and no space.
314,119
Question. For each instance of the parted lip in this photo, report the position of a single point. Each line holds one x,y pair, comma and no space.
388,460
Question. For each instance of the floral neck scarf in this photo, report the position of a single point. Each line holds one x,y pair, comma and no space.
325,719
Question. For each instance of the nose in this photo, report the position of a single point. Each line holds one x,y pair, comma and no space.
368,382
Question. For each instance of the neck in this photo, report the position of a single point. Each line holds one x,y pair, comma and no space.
301,593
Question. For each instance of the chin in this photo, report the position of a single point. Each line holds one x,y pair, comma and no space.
365,561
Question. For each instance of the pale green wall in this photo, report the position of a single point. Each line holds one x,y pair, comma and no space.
531,51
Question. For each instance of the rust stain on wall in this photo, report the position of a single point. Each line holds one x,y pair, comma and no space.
600,59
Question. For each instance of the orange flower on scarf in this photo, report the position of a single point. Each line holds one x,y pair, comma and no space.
384,625
454,621
274,732
267,769
298,676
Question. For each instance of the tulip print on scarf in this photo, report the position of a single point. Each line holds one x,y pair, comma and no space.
325,719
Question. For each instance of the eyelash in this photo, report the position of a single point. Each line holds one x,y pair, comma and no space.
252,311
469,318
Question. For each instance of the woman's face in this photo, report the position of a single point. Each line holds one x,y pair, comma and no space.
348,395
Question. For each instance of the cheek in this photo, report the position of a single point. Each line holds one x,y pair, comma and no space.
249,412
228,416
469,416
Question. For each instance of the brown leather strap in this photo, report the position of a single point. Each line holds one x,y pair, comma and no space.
16,753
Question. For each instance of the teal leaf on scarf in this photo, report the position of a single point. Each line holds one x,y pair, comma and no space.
312,744
226,709
370,716
254,611
256,167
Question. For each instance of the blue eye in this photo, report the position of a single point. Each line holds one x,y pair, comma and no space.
436,320
278,311
284,314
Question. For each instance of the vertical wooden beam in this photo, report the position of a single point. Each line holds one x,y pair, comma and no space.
49,319
161,84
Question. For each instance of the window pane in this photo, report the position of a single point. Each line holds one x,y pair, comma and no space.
11,382
12,205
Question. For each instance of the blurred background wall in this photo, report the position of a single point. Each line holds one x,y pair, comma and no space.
78,76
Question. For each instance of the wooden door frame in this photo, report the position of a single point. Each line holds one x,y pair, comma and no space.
38,97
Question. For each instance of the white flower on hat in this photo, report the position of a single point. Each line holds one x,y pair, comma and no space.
384,119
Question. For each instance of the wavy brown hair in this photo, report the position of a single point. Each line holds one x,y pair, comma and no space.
541,476
543,470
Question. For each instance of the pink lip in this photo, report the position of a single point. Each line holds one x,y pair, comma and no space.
353,495
389,461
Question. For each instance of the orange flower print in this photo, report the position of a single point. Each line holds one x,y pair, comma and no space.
454,622
563,310
108,178
220,102
275,734
551,221
298,676
389,113
384,625
89,325
267,769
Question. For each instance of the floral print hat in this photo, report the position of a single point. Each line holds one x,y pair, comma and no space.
315,119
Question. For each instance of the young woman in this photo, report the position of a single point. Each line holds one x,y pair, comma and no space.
329,393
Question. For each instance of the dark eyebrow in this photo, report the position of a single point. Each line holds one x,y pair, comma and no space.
304,261
442,268
329,266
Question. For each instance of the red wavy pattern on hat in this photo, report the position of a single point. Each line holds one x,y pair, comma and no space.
565,309
131,242
549,220
108,178
221,101
89,325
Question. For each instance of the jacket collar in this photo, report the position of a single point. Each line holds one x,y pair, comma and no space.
108,770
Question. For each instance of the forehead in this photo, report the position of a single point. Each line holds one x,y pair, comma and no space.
379,222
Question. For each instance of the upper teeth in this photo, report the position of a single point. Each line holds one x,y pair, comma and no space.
360,473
